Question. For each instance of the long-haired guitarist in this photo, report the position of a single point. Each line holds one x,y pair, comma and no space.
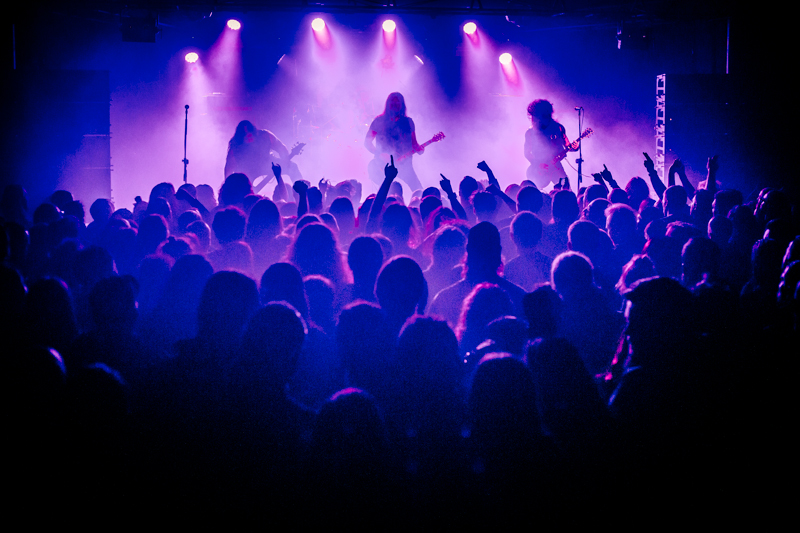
393,133
545,142
252,151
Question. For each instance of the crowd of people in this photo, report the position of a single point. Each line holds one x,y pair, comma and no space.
477,354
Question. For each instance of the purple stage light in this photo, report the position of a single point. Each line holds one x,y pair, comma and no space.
470,28
318,24
234,24
510,69
321,33
191,57
389,33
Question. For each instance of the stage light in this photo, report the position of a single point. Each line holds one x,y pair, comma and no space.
470,28
389,25
234,24
191,57
318,24
506,58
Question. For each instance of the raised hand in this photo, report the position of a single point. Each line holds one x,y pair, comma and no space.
492,180
713,164
324,185
677,167
598,177
454,203
276,170
446,186
649,165
390,171
606,174
300,187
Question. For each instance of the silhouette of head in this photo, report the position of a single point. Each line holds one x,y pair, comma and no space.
540,110
395,105
272,342
572,274
529,199
365,258
234,189
229,225
228,300
283,282
526,230
264,220
565,207
483,251
401,290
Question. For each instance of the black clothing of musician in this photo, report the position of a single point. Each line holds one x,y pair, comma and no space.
250,152
544,140
393,133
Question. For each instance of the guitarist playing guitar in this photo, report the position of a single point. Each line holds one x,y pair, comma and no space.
546,144
252,151
392,133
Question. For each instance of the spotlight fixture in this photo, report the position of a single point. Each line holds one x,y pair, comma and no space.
389,25
505,58
191,57
470,28
318,24
234,24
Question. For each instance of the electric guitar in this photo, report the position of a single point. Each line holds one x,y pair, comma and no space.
289,167
377,164
552,169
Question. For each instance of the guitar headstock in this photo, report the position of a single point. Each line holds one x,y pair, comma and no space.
297,149
438,137
587,133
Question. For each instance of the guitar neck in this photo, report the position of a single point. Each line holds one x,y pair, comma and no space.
436,138
426,143
572,146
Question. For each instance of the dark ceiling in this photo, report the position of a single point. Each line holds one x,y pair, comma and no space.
651,10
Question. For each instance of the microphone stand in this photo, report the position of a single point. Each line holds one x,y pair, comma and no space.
185,133
579,161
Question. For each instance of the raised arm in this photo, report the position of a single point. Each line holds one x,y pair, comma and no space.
681,171
390,173
494,187
606,175
711,180
280,188
655,181
458,209
301,188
